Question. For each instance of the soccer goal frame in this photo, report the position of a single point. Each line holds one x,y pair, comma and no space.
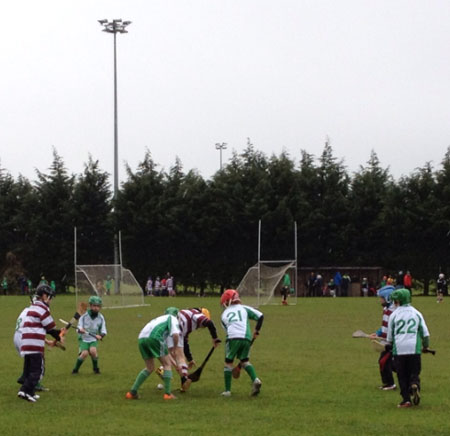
115,284
271,271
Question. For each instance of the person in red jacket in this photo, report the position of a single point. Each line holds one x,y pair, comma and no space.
407,281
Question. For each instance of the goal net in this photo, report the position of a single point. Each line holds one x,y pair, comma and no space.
116,285
262,284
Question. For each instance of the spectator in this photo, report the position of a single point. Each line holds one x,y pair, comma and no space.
157,287
332,288
441,288
338,282
399,281
170,288
164,292
5,286
407,281
149,286
365,287
310,284
346,280
318,284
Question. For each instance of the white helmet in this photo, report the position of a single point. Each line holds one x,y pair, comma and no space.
441,276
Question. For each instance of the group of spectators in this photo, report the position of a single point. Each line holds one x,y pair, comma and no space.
337,286
164,287
25,284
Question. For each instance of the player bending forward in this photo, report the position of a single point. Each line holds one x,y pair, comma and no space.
152,343
91,329
408,333
189,320
235,320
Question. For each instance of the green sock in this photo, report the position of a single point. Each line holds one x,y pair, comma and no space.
95,362
227,376
142,376
167,377
251,371
78,363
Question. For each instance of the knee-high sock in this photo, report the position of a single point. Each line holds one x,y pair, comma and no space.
142,376
227,377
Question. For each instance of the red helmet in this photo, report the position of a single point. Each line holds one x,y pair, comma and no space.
230,296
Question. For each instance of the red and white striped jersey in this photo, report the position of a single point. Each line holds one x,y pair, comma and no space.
387,311
35,326
190,320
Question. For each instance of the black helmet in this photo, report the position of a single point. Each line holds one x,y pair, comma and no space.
45,289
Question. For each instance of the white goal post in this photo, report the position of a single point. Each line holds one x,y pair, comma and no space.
115,284
263,282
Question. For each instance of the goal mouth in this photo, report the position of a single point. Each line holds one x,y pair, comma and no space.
263,282
115,284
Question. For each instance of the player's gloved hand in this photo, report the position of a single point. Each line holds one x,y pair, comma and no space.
255,334
191,364
216,342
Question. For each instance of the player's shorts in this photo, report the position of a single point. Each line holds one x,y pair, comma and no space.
151,348
239,348
169,341
85,346
18,342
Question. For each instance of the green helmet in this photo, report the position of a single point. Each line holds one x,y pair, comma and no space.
171,311
403,296
94,299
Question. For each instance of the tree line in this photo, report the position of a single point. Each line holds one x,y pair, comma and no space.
206,231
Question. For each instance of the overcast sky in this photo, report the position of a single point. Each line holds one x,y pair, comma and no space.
192,73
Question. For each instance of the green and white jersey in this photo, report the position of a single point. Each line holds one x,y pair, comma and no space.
235,321
160,328
406,329
96,325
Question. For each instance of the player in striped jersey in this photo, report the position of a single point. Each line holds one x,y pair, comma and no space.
37,323
152,343
189,320
235,320
385,360
408,334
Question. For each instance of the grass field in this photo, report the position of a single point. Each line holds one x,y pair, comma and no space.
317,379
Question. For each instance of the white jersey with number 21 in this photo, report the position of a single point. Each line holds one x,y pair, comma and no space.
235,321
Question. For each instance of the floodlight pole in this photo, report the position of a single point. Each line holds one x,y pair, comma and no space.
114,27
220,147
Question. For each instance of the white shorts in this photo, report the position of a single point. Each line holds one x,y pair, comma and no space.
169,341
18,342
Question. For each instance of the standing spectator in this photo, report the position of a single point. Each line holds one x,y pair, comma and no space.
399,280
407,281
149,286
332,288
318,285
365,287
43,281
346,280
157,287
310,284
441,288
338,282
383,282
169,284
5,286
164,292
407,334
385,360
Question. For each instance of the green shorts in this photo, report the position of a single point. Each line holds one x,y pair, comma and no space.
151,348
82,346
239,348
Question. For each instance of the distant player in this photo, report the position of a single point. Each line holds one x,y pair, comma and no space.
91,329
441,288
152,344
235,320
285,288
189,320
407,334
37,323
385,360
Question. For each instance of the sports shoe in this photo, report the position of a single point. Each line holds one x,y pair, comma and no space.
404,404
96,370
186,384
41,388
388,387
256,387
226,394
131,396
415,394
169,397
74,371
25,396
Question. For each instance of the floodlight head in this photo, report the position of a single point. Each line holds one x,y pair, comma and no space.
127,23
102,22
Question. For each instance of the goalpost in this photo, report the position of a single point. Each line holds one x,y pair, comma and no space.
115,284
263,282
